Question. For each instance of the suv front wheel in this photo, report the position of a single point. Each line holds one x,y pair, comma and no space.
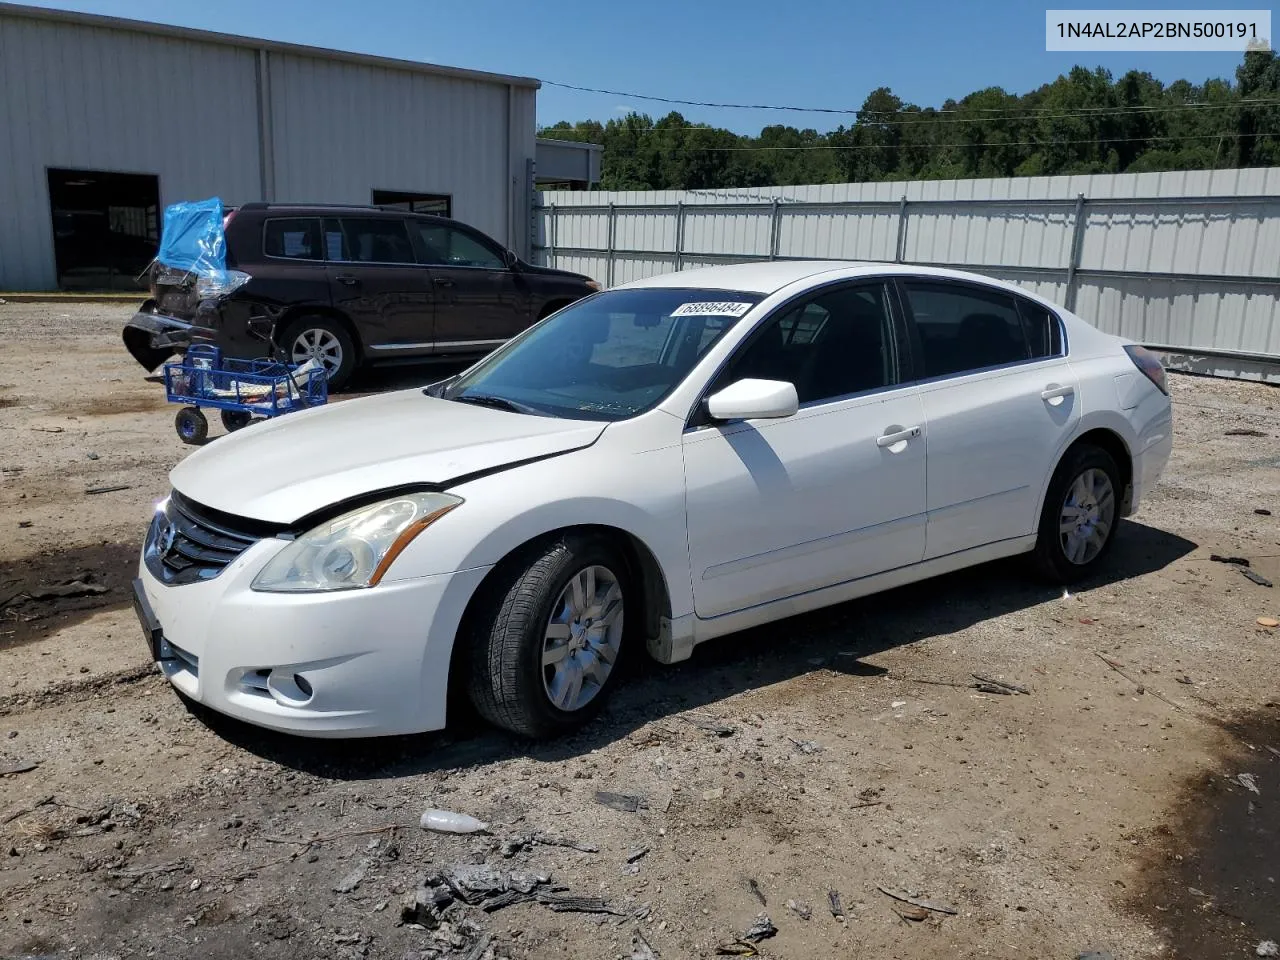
325,339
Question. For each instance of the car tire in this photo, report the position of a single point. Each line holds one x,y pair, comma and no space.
1080,517
191,425
330,338
533,635
234,420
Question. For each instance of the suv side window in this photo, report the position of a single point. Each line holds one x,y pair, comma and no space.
295,238
1044,331
370,240
839,343
963,328
447,246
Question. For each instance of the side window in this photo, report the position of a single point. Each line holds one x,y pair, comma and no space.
375,240
448,246
1044,332
964,328
297,238
834,345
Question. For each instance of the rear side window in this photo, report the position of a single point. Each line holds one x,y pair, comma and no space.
295,238
1044,332
369,240
963,328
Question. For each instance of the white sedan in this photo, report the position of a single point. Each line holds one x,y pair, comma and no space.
654,466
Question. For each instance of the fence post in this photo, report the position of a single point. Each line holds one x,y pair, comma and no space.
679,236
613,220
1073,264
551,238
775,219
900,247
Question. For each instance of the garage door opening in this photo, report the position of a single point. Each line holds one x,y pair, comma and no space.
435,203
106,227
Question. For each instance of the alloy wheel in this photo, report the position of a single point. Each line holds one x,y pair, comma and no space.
582,638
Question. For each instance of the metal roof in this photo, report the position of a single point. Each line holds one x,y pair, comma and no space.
256,43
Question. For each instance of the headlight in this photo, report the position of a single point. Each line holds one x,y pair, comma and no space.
355,549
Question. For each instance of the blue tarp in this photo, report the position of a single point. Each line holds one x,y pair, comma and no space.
191,238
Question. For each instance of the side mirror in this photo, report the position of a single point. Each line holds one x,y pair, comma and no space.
509,258
754,400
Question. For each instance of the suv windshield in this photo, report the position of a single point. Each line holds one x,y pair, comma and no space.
608,357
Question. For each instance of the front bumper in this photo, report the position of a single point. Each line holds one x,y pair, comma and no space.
354,663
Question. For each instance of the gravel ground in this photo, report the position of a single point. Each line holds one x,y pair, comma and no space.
1104,810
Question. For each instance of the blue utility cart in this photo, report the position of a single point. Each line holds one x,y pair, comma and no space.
243,390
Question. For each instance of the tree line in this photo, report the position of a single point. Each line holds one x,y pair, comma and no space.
1083,122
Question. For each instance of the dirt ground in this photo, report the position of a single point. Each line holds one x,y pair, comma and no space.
1104,811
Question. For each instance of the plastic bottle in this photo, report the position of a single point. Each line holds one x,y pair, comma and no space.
445,821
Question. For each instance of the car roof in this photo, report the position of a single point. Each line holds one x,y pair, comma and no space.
769,276
320,209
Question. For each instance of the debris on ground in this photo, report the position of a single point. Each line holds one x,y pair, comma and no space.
761,929
908,912
1237,561
622,802
737,948
640,948
982,687
76,587
635,853
8,768
1256,577
1262,512
715,793
1268,948
918,902
1249,782
712,726
113,489
756,892
1268,622
1244,432
350,881
800,909
835,905
446,821
807,747
1095,955
1184,679
991,681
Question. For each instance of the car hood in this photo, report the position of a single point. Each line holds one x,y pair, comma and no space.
284,469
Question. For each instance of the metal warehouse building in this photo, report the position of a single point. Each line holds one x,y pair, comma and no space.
105,121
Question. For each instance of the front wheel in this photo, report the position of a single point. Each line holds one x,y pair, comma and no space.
545,644
233,420
1080,515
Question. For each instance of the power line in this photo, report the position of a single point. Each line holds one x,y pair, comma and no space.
850,111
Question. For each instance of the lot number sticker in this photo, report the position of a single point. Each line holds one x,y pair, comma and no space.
711,308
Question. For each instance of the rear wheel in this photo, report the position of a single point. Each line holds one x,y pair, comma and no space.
1080,515
545,644
326,340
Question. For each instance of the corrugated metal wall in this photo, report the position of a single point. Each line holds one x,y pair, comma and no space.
103,98
1188,261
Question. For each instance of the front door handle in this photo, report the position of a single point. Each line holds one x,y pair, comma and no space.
442,281
1055,392
350,279
898,436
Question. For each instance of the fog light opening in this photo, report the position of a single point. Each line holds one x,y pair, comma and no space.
303,685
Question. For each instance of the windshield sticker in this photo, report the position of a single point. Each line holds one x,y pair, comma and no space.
711,308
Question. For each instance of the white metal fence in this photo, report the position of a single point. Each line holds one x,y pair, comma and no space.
1187,262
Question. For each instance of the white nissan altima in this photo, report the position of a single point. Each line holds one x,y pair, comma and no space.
656,465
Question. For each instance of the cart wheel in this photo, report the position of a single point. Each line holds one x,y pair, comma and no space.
233,420
191,425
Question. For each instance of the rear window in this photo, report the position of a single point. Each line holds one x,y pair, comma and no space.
295,238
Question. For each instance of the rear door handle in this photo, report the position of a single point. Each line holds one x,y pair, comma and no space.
1055,392
442,281
898,436
350,279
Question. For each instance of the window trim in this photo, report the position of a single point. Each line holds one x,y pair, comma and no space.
901,280
318,221
902,349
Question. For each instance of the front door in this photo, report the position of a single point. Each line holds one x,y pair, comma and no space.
776,508
480,300
999,403
375,279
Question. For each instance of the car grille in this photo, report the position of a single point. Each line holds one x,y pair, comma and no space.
186,545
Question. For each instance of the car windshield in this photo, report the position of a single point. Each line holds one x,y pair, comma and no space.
608,357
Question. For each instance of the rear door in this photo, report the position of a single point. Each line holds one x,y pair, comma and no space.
480,300
376,280
999,403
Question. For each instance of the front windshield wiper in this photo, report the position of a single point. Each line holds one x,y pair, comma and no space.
497,403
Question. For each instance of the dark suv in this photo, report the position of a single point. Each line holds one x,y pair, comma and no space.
352,285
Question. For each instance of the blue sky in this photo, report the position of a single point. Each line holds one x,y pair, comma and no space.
806,52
